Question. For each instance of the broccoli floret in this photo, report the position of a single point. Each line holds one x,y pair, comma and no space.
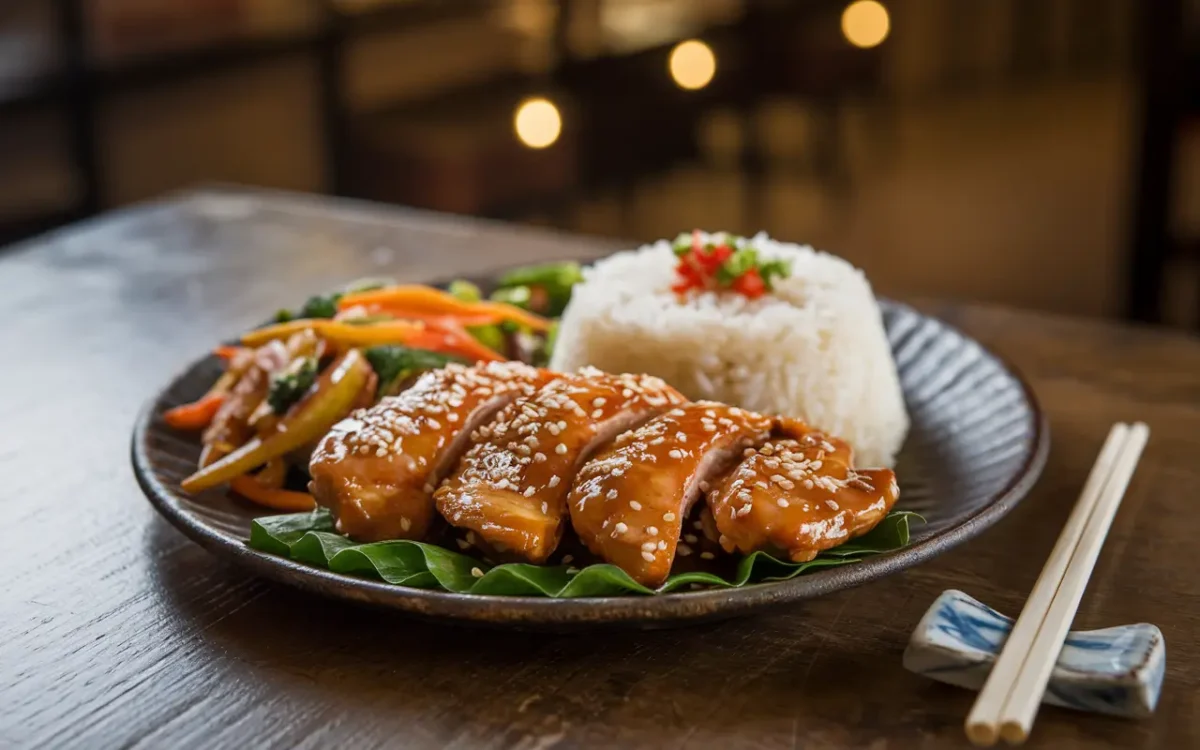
289,385
395,364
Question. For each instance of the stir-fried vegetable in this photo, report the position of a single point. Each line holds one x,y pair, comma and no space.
546,287
339,332
196,415
423,301
724,263
271,497
289,385
396,364
449,337
336,392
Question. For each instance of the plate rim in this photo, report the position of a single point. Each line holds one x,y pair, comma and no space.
669,608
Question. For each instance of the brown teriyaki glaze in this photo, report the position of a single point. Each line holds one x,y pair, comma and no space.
799,495
629,502
377,469
511,487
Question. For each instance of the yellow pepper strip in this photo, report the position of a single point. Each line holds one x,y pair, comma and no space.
347,334
424,301
333,396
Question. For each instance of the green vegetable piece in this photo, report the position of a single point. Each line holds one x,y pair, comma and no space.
739,263
465,291
395,364
551,276
518,296
307,537
366,285
490,336
289,385
283,316
682,243
775,269
320,306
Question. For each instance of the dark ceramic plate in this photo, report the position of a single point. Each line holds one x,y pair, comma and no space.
977,444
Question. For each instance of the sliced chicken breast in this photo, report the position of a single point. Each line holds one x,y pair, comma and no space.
512,484
799,495
629,502
377,469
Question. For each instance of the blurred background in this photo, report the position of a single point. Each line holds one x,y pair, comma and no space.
1039,153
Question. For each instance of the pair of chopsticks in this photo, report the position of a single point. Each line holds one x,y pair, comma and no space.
1010,698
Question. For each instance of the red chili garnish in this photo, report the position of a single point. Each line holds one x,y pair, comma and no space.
750,284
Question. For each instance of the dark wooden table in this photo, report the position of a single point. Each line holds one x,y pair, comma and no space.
116,631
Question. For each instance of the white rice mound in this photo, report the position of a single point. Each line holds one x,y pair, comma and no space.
814,349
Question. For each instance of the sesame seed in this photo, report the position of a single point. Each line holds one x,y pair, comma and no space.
657,441
452,417
621,527
405,524
707,555
529,491
462,544
815,465
435,424
782,502
567,558
808,484
477,572
723,540
648,556
611,495
501,484
429,488
683,550
598,402
710,428
561,449
545,508
652,530
633,504
572,571
626,393
832,504
597,413
668,516
553,429
554,480
649,546
675,453
691,538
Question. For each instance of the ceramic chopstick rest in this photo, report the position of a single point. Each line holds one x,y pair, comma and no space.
1116,671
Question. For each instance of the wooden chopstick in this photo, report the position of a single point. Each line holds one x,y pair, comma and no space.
982,724
1018,713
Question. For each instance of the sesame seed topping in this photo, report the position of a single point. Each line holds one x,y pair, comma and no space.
554,480
462,544
832,504
808,484
662,543
621,527
598,402
561,449
691,538
675,453
652,530
782,502
567,558
668,516
452,417
545,508
707,555
648,556
529,491
405,524
633,504
477,572
611,495
683,550
649,546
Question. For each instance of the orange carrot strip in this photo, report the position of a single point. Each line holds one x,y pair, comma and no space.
424,300
227,353
249,488
449,338
196,415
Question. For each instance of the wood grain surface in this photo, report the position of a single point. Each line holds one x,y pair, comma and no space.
117,632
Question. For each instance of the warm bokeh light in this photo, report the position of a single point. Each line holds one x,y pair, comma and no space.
537,122
692,64
865,23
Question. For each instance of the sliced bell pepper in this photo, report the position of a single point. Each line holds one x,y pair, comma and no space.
424,300
340,332
270,497
448,337
333,396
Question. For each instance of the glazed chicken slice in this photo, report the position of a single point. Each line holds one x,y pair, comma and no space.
510,489
629,502
799,495
377,469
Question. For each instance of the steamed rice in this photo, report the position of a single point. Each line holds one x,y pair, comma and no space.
814,349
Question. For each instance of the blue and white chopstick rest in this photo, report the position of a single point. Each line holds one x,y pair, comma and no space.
1116,671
